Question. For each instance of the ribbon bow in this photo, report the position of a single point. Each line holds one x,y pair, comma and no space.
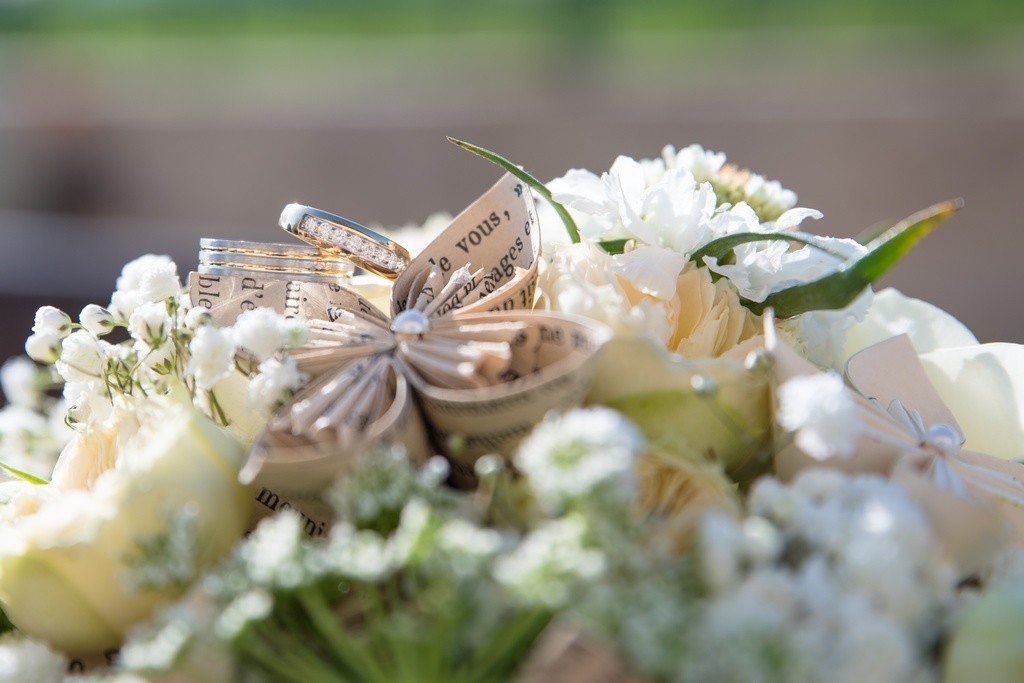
975,501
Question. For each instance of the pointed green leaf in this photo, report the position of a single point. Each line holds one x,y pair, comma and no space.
25,476
839,289
519,172
613,246
723,246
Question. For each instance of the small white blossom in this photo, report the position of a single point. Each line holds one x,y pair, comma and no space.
574,454
273,552
123,304
50,319
96,319
550,562
87,403
822,413
263,332
252,606
213,356
43,347
197,317
159,282
81,358
27,661
275,382
19,378
133,272
149,324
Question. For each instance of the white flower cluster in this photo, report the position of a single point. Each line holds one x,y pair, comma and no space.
663,210
32,429
170,345
831,578
583,453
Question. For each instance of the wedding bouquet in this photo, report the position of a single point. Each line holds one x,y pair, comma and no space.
629,426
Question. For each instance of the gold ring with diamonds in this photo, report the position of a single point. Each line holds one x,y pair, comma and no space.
346,238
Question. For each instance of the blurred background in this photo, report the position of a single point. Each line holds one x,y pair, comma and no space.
129,127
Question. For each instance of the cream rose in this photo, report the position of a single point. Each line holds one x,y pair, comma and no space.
649,291
85,557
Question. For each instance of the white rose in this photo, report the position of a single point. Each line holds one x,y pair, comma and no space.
893,313
71,554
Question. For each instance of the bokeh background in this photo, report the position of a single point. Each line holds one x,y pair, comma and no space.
129,127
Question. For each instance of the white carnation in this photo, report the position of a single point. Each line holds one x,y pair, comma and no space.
212,356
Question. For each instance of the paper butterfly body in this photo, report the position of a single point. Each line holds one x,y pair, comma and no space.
460,369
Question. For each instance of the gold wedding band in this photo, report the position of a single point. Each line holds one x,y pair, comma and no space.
292,261
339,236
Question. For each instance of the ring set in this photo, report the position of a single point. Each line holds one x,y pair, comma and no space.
239,257
336,246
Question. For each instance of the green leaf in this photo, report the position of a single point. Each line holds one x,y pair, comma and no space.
518,172
614,246
839,289
25,476
723,246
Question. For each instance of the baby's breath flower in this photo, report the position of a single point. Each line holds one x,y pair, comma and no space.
96,319
250,607
822,413
276,381
81,358
550,563
52,319
149,324
28,661
263,332
20,379
273,553
43,347
197,317
575,454
213,356
159,282
87,403
133,272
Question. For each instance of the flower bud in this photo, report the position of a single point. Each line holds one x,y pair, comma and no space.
43,347
96,319
50,318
